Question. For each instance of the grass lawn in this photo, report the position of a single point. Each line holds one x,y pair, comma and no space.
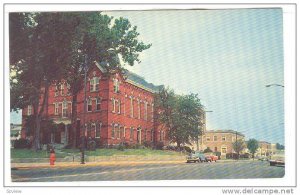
27,153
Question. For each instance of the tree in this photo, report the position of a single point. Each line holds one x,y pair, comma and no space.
238,146
252,145
180,115
47,47
40,46
279,146
97,40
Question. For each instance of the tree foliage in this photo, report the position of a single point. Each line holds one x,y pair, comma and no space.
252,145
238,146
180,115
48,47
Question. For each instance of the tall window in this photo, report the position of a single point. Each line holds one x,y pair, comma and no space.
160,135
116,85
119,106
113,130
208,138
64,108
131,133
124,132
152,112
152,135
29,110
94,84
215,138
145,134
146,110
139,109
62,88
55,108
113,101
89,105
98,103
98,130
56,90
224,149
131,107
223,138
68,89
89,126
117,131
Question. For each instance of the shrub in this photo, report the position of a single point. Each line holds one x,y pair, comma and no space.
159,145
22,143
91,145
121,147
207,150
187,149
147,144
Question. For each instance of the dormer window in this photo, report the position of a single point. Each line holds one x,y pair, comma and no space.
94,84
62,88
56,91
116,85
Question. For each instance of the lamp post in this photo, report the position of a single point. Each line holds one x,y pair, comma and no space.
84,112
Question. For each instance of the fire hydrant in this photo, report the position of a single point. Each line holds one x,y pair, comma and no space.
52,157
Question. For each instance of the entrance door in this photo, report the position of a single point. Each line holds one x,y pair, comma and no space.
62,137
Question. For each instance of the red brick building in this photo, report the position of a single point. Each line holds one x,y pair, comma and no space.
120,108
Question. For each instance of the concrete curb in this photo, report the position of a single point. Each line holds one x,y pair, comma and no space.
17,166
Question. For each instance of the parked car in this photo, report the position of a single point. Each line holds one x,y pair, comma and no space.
195,157
277,160
263,158
211,157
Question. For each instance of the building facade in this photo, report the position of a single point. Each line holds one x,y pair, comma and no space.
119,108
221,140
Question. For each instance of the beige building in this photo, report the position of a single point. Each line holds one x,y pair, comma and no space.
221,140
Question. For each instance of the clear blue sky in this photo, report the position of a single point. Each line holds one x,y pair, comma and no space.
226,56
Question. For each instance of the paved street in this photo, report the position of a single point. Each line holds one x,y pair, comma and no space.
176,171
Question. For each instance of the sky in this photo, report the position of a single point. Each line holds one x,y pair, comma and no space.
227,57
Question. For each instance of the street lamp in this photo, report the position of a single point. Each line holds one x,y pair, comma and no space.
278,85
84,111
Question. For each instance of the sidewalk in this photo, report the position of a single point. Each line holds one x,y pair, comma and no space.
88,164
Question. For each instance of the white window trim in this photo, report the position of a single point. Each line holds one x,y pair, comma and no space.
152,112
214,138
89,100
222,147
224,136
100,127
146,111
208,140
29,110
124,132
139,109
119,106
56,92
131,107
98,102
64,106
62,88
56,108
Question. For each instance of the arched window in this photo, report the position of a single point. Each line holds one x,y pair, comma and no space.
116,85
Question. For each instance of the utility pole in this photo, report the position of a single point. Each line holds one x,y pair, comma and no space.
84,112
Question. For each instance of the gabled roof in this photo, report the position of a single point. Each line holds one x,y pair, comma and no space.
141,82
136,80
